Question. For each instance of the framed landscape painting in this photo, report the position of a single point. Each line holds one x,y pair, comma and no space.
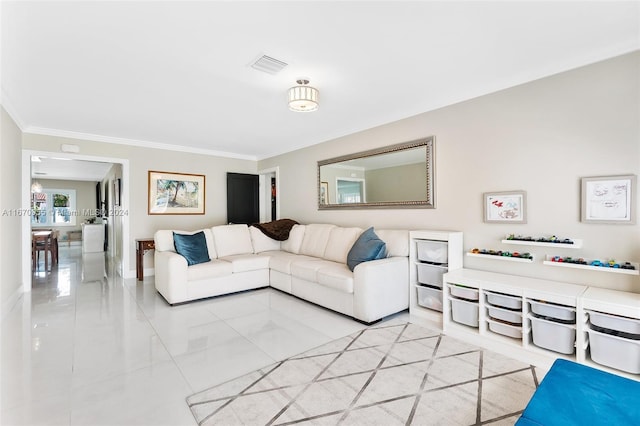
176,193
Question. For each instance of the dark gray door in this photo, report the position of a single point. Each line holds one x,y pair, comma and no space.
243,198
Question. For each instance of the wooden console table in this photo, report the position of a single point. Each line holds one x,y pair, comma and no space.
142,246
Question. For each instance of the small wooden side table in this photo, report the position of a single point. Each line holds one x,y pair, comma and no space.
142,246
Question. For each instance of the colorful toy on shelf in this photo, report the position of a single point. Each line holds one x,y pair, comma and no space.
596,262
501,253
551,239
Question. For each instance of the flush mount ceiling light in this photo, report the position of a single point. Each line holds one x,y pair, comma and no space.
303,98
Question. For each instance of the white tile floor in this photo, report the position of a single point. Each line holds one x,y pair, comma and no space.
85,350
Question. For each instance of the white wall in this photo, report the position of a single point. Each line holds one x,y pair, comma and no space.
541,137
141,160
10,224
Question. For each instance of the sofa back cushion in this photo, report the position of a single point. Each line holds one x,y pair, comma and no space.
397,241
340,242
232,239
315,239
294,242
164,240
261,242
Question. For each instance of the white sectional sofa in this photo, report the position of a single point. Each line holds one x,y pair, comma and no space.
310,264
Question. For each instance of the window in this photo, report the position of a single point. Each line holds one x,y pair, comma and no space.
350,190
53,207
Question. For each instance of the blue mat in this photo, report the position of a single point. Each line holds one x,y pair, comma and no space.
575,394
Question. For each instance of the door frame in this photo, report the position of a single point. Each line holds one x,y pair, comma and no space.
263,191
26,205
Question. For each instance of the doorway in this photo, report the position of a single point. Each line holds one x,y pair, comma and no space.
269,194
118,235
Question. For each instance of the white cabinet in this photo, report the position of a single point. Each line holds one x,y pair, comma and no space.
431,254
537,320
92,238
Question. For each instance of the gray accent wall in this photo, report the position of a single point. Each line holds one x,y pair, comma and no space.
540,137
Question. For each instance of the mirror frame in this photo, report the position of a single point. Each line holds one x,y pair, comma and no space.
429,203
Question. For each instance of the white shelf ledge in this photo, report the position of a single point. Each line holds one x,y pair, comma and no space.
576,243
495,257
588,267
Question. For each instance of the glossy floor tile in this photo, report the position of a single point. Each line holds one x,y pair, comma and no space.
86,347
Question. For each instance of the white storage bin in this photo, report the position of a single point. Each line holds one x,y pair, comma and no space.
429,297
616,352
464,312
504,300
505,329
554,336
615,322
431,274
464,292
432,251
514,317
566,313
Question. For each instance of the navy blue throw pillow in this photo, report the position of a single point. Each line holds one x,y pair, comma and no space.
192,247
367,247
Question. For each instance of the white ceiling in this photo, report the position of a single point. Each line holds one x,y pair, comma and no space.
177,73
64,168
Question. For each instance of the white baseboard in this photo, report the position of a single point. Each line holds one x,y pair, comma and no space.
11,302
148,272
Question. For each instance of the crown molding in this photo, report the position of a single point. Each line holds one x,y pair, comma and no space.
6,103
133,142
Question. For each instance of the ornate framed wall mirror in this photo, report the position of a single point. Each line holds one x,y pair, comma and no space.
396,176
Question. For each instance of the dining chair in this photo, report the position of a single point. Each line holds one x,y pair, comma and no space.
43,241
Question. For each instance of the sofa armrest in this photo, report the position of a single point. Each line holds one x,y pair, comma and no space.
380,288
171,276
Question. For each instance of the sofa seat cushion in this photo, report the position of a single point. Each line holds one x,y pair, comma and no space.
212,269
337,277
308,269
281,260
247,262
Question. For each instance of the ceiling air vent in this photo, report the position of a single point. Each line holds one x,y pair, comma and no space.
268,64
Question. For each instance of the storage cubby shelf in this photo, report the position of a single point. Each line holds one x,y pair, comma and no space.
507,258
576,243
549,262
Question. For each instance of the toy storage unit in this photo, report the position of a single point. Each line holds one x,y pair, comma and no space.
431,255
509,308
612,324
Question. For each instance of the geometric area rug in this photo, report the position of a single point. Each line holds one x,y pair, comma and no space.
400,374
